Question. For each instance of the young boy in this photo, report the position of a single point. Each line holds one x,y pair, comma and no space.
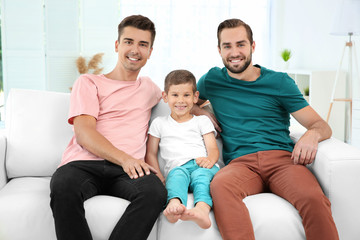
188,146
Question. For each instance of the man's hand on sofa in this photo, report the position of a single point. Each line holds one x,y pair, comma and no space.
317,130
305,149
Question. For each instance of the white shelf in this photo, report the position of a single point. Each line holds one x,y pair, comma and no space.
320,85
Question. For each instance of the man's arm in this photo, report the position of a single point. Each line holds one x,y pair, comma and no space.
89,138
151,155
317,130
197,110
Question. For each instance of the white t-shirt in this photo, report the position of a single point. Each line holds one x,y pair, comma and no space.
181,142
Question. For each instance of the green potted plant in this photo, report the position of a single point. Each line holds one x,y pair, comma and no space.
286,55
306,93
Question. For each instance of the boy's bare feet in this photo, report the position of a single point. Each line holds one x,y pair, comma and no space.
199,214
174,210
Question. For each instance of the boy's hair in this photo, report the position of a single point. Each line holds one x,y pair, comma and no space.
233,23
140,22
177,77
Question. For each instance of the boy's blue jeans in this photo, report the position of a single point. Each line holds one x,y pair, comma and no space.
190,177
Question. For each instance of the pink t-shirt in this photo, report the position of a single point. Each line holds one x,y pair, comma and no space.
122,110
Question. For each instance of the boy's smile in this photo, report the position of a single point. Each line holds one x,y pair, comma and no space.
181,99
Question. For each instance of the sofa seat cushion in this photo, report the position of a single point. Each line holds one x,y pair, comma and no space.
25,205
272,218
285,221
25,210
103,212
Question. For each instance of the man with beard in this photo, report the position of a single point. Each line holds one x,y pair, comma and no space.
253,106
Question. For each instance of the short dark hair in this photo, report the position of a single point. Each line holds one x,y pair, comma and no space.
233,23
140,22
177,77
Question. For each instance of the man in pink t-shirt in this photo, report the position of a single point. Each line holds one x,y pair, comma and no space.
110,114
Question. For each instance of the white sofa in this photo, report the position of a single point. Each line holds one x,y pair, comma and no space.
37,133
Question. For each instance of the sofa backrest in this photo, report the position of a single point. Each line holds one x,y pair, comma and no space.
37,131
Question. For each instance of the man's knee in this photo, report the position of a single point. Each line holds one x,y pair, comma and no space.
223,184
219,184
155,192
67,186
60,183
316,200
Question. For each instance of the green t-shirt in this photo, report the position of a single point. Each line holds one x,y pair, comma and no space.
254,116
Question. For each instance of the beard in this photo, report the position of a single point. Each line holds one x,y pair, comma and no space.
238,68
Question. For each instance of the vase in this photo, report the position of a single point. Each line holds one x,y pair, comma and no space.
286,65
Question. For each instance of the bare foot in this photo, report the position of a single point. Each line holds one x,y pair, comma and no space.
199,214
174,210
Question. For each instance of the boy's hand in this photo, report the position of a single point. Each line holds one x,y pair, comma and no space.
204,162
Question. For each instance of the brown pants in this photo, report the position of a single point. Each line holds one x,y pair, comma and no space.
274,171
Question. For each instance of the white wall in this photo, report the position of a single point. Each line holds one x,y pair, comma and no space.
304,26
40,48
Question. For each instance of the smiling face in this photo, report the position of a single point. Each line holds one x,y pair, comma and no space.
133,48
181,99
235,49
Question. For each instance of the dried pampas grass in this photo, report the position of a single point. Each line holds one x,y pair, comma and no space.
92,64
81,65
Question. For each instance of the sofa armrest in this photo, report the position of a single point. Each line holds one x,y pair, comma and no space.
337,168
3,177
